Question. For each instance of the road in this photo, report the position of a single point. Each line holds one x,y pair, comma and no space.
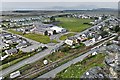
52,73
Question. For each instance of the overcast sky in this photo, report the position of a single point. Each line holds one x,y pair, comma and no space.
13,5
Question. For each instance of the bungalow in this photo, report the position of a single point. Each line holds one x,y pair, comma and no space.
3,57
3,45
5,35
22,45
16,40
11,51
50,32
69,42
89,42
92,23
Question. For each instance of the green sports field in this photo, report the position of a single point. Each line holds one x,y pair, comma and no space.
74,24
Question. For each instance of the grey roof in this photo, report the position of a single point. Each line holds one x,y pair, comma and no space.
5,34
113,48
22,44
14,50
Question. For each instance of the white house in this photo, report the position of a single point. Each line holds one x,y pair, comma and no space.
69,42
94,53
3,57
58,29
11,51
92,23
100,18
50,32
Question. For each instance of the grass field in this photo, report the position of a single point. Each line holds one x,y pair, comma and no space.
66,36
36,37
77,70
74,24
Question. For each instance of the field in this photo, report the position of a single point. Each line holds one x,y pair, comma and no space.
74,24
36,37
77,70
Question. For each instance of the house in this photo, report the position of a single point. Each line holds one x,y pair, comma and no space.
11,51
16,40
3,45
22,45
94,53
92,23
69,42
100,17
6,35
8,41
3,57
50,32
89,42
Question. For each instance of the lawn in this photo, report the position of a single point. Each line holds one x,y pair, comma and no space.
36,37
74,24
77,70
66,36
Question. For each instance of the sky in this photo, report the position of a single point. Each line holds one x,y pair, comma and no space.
56,5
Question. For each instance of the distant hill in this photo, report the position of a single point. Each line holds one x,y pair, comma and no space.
98,9
104,9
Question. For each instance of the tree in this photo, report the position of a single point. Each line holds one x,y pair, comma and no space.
52,19
46,32
117,28
104,33
54,32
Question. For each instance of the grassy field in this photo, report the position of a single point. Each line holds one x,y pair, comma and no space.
36,37
77,70
74,24
66,36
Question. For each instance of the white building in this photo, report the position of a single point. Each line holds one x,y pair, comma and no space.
69,42
58,29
